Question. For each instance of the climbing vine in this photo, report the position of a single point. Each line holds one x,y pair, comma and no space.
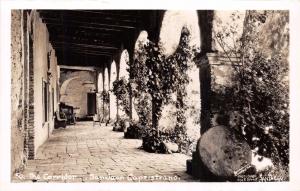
121,91
105,96
159,77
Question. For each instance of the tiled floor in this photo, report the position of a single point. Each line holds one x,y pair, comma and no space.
83,153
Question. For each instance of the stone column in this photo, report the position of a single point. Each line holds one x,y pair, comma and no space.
112,97
215,74
193,103
99,97
106,96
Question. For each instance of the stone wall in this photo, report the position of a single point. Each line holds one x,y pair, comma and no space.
17,93
30,57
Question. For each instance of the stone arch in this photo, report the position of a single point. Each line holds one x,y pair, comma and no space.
74,89
65,84
123,73
112,97
124,59
173,23
76,95
106,80
100,82
142,39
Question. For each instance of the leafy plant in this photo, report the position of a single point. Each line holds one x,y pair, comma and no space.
120,125
259,97
105,96
121,91
155,78
134,131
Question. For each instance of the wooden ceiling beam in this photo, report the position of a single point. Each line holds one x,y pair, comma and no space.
73,25
77,50
83,41
116,13
84,45
69,16
85,38
95,34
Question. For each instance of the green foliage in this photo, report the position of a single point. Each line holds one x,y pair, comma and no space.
259,98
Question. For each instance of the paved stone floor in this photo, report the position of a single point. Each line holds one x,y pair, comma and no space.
83,153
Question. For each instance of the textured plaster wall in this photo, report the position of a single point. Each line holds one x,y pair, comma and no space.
29,69
41,47
17,80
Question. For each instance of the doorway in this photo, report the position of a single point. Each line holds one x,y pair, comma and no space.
91,103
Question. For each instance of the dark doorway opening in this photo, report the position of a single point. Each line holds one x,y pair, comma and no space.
91,103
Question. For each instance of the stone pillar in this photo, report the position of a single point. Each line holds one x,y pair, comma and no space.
105,96
193,103
112,97
99,98
215,74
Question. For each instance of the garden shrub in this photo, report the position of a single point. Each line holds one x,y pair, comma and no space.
120,125
134,131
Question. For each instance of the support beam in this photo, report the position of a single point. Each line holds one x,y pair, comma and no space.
82,68
66,44
69,15
90,25
81,40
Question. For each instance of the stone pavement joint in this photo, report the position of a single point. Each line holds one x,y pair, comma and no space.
83,153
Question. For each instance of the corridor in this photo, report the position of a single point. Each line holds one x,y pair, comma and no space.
83,153
160,77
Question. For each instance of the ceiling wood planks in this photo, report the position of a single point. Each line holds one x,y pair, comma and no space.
90,37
